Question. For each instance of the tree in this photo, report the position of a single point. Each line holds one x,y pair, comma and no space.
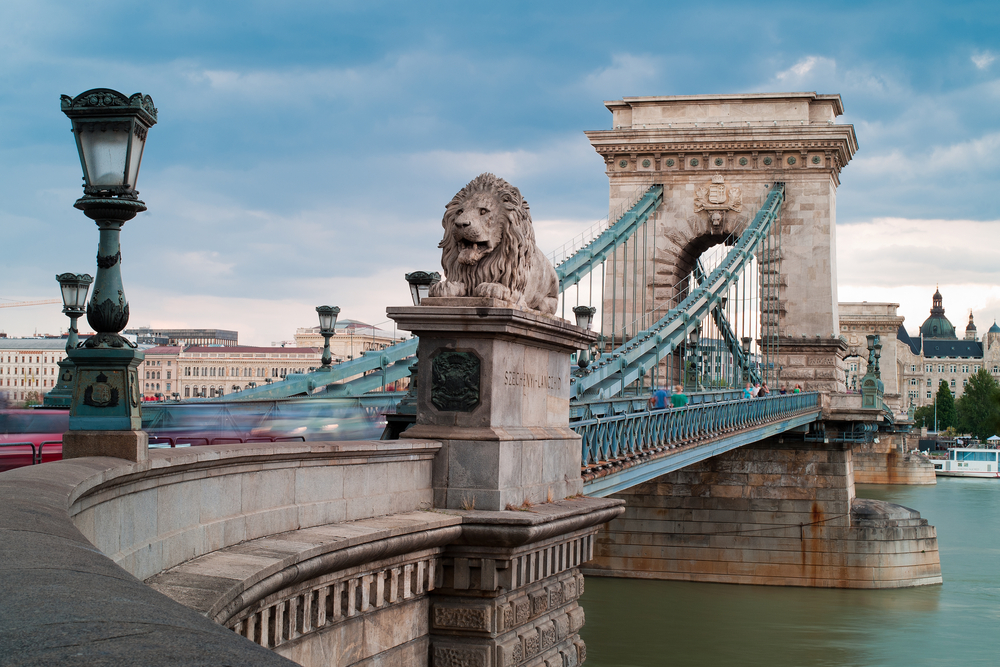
924,416
945,407
979,408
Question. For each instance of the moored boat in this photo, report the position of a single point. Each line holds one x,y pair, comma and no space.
968,462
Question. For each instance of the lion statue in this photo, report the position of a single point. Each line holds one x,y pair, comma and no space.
489,248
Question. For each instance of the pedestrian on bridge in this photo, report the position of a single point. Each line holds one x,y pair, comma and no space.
748,391
659,398
678,399
763,390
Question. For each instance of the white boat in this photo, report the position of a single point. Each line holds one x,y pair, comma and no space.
968,462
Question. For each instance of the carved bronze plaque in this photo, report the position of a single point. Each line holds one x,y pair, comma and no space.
455,382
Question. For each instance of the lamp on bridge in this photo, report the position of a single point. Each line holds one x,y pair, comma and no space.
327,326
105,413
694,338
74,288
420,284
745,344
584,320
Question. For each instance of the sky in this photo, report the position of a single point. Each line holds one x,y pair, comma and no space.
305,150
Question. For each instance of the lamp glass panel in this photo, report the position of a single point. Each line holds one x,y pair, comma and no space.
105,147
135,156
424,291
68,294
325,321
81,295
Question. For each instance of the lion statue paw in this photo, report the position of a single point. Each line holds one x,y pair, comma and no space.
489,248
493,291
448,288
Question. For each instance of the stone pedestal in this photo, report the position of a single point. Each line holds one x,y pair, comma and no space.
814,363
106,393
493,388
130,445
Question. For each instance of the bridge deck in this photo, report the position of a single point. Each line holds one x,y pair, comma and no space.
624,450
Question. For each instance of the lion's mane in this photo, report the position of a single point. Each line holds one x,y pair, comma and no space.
510,263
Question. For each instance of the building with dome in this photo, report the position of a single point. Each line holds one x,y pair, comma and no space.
912,367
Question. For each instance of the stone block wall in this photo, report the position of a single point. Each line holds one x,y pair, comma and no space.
888,462
779,512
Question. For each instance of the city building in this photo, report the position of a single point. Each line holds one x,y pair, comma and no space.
350,340
29,368
181,337
913,367
214,370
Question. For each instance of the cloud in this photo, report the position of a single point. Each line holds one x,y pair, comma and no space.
982,59
625,75
809,68
903,260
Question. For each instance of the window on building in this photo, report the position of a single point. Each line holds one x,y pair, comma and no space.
953,368
187,392
913,368
996,369
913,382
168,386
187,371
212,373
975,369
928,368
953,383
928,382
940,368
965,383
168,375
965,368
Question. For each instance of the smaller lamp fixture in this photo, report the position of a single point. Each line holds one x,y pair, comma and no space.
694,337
584,316
327,326
745,344
420,284
74,287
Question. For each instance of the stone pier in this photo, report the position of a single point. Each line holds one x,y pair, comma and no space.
780,512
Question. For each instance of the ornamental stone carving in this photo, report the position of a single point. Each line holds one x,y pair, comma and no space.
455,381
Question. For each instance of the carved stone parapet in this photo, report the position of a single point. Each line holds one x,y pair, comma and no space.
511,584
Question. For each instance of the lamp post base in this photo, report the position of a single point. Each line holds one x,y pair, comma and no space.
129,445
61,396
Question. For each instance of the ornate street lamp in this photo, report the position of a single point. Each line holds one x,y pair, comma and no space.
745,344
420,284
584,320
327,326
74,288
110,131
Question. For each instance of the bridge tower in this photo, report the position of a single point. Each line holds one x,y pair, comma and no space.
715,156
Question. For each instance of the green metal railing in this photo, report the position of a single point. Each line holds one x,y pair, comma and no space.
613,440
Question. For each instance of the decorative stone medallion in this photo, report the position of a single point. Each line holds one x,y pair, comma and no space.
694,162
791,159
743,162
455,381
718,162
670,162
623,164
816,159
767,161
646,163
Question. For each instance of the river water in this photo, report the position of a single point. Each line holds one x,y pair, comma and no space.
633,623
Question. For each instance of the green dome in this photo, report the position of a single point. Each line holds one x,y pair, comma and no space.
994,328
937,325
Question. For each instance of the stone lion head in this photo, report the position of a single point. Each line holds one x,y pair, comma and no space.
489,247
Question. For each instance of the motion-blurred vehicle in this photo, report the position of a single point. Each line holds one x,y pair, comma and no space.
30,436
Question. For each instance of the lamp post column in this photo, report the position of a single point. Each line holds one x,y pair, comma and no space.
105,416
